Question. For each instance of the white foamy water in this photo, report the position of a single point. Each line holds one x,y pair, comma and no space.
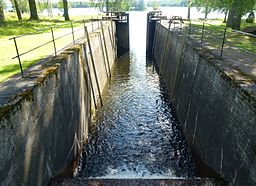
140,172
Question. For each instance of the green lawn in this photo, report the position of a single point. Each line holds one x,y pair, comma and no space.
14,27
9,66
214,31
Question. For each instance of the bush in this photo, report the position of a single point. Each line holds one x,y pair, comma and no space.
250,18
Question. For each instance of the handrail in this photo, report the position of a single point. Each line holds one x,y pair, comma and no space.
53,39
32,49
221,35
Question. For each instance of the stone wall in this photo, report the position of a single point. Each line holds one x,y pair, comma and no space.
44,117
215,104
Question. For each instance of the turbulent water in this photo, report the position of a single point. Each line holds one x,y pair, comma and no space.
136,134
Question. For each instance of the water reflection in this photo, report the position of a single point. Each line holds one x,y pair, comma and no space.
136,133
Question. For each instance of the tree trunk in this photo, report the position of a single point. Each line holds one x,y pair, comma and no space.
234,18
2,18
225,18
49,8
206,11
65,6
107,7
33,10
189,6
189,12
17,8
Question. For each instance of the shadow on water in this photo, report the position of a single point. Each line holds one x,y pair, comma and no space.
136,134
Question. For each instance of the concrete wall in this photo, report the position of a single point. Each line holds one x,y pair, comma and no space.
99,64
215,104
44,117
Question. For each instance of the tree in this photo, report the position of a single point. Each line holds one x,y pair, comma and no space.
2,17
237,9
250,18
120,5
189,7
17,8
49,8
20,7
99,4
113,5
225,17
65,6
33,10
206,5
23,5
155,6
107,6
45,5
139,5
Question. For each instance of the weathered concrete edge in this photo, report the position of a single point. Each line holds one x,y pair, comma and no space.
133,182
48,69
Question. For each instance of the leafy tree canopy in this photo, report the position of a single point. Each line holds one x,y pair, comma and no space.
243,6
23,5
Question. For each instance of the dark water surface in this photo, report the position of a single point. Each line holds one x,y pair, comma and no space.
135,133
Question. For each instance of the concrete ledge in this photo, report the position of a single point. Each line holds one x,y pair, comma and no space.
134,182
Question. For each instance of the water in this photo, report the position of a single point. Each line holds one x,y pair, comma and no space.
168,11
136,133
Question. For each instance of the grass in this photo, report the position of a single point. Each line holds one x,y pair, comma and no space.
13,27
214,31
9,66
9,70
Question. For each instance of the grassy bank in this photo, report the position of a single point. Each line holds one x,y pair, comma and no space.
9,66
13,27
214,32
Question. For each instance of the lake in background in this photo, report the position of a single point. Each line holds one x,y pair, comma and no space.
168,11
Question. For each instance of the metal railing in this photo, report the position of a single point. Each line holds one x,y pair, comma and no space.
220,38
81,26
217,38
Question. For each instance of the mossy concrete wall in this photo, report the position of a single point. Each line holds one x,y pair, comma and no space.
215,104
44,117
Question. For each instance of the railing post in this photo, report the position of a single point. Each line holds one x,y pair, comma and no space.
72,28
84,28
92,26
18,56
189,30
53,40
169,27
223,42
202,36
105,47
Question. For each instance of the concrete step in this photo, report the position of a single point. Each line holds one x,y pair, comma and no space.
134,182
